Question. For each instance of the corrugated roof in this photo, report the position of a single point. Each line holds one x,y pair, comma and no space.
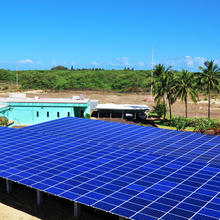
3,106
44,100
111,106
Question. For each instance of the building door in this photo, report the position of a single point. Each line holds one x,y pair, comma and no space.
82,113
79,112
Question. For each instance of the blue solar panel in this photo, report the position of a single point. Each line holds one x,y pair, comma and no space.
173,175
145,139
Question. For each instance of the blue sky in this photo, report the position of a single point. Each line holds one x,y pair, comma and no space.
108,33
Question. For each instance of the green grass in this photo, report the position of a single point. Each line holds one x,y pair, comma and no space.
166,127
152,114
216,120
174,128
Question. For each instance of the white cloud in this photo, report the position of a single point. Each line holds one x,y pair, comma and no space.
122,61
194,61
54,62
189,61
29,61
186,62
94,63
140,63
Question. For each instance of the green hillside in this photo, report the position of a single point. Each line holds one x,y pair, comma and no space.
112,80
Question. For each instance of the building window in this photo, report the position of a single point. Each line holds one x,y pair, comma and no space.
58,114
48,114
68,114
37,114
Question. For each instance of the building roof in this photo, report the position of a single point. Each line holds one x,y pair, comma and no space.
111,106
43,100
3,106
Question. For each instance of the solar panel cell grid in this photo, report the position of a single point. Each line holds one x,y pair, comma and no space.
132,171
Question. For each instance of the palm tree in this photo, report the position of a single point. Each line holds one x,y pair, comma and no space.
170,90
162,86
209,79
185,87
159,84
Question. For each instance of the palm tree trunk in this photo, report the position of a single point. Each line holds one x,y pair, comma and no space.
170,109
164,108
186,105
209,100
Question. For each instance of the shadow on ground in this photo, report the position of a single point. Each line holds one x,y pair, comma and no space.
52,208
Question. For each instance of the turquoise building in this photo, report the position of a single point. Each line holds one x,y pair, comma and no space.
28,111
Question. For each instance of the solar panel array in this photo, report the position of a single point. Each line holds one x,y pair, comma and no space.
132,171
145,139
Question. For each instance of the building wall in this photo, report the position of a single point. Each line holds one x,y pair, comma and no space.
4,112
33,113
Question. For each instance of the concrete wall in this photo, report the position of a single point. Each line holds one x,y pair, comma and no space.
33,113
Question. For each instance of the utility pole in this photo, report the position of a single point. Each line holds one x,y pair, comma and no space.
152,72
17,77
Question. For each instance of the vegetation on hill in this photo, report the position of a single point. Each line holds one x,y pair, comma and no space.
167,85
59,68
93,79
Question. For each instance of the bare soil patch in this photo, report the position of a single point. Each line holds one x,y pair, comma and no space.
194,110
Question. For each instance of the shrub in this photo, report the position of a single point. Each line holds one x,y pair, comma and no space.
3,121
87,116
159,109
180,122
203,124
59,68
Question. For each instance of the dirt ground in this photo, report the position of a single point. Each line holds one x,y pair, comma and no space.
194,110
7,213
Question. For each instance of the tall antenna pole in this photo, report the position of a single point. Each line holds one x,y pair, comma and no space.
152,72
17,77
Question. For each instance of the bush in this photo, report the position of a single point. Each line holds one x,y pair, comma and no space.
159,109
180,122
59,68
87,116
199,124
203,124
3,121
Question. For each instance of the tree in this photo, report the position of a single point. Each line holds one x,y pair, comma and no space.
209,79
185,87
72,69
170,90
159,84
59,68
159,109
